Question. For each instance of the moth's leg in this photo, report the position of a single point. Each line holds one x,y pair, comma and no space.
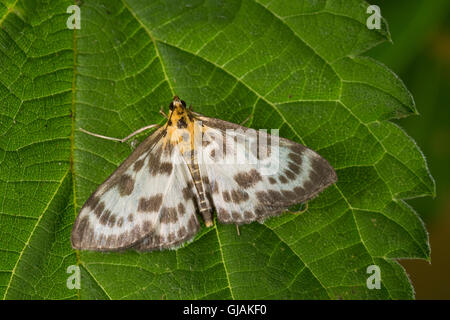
301,211
248,118
161,111
117,139
237,230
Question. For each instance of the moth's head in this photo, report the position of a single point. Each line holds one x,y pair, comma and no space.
177,105
179,116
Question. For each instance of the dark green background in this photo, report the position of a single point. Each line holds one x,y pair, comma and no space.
420,56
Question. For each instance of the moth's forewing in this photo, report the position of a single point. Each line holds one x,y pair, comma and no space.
141,204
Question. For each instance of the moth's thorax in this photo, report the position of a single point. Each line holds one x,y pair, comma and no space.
180,127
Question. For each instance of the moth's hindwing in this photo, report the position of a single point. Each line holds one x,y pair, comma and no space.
243,192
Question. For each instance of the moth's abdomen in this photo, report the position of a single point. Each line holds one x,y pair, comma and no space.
203,201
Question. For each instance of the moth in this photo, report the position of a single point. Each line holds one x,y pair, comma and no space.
188,169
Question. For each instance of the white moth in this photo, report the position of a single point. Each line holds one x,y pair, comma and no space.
195,164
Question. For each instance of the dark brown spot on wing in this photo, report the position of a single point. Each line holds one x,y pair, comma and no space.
105,217
211,187
154,161
291,195
92,201
239,196
181,209
88,236
236,216
120,222
192,224
275,196
294,167
290,174
248,215
147,226
138,165
297,148
187,191
269,197
168,148
247,179
112,220
166,168
182,232
122,238
223,215
322,173
130,217
300,192
151,204
296,158
283,179
99,209
80,231
125,185
272,180
168,215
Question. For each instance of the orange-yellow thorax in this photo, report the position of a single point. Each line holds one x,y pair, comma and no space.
180,127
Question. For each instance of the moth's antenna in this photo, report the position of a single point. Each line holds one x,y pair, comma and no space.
168,121
117,139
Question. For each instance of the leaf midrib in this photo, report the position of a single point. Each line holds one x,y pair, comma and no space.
72,142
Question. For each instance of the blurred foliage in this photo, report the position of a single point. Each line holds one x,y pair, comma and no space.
420,55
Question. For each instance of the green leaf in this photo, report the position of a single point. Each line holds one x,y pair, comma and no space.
292,65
